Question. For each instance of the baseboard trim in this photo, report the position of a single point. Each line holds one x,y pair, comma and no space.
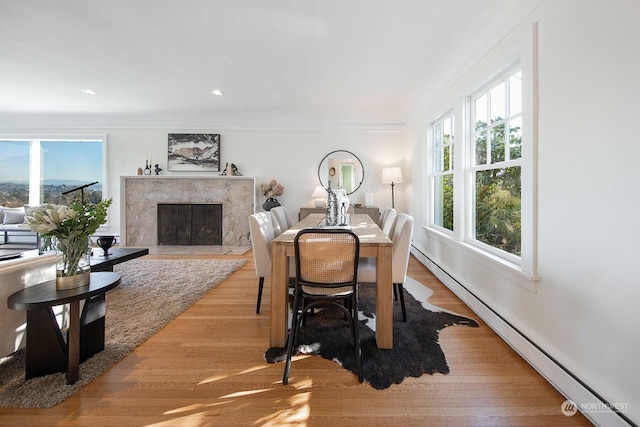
590,403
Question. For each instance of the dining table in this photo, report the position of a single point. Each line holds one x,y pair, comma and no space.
373,243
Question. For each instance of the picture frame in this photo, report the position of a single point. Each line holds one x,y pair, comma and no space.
194,152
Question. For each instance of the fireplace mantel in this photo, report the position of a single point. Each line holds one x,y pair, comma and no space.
140,196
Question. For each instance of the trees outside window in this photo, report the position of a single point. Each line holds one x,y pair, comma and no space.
443,169
496,168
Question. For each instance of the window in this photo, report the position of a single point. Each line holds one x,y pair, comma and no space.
489,214
496,166
40,170
442,177
14,173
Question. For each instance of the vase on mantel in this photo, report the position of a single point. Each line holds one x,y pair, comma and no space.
270,203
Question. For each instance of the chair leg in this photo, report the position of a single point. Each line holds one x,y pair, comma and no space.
356,333
293,334
260,286
400,291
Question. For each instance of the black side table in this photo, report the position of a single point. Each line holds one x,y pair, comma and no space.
46,350
116,256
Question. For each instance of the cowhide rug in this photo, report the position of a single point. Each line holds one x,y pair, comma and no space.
415,352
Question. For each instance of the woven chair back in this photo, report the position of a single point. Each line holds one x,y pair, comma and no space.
327,257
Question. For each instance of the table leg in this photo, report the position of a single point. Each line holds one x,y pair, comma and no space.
45,352
73,343
384,298
92,329
279,295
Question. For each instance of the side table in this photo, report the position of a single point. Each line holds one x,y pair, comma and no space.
46,350
118,255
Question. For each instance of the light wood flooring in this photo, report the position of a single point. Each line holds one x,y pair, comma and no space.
206,369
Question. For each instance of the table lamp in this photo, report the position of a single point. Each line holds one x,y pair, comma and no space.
392,176
319,193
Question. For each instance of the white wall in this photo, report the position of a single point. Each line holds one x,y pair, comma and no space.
584,311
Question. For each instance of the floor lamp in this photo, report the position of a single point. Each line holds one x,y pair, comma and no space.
392,176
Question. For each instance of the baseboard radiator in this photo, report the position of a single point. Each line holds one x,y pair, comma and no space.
557,375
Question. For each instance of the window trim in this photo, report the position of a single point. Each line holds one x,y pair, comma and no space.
499,265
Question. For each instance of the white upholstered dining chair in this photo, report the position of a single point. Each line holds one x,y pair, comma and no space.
387,221
402,235
277,228
262,233
284,222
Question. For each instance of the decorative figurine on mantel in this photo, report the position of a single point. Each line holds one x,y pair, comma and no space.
158,169
230,169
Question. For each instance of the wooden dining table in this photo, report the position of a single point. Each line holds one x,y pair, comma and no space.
373,243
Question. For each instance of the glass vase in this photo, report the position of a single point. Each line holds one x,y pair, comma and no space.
73,262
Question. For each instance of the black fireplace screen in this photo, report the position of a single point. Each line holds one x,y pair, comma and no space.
189,224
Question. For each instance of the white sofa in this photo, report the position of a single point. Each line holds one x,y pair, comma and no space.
16,274
13,225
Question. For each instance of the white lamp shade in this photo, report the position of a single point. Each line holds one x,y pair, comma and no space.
391,175
319,191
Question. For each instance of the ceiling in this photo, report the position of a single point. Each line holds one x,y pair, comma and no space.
288,62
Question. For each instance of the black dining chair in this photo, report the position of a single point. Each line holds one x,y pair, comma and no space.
326,274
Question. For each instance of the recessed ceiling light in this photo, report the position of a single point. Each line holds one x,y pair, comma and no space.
89,91
217,92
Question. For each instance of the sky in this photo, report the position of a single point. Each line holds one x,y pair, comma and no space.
64,160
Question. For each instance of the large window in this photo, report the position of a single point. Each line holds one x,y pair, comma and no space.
482,196
442,176
43,170
496,166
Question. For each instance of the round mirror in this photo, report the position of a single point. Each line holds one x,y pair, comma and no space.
343,168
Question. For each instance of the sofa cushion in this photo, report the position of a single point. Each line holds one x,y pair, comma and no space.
12,215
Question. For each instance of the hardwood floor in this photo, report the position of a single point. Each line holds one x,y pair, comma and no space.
206,368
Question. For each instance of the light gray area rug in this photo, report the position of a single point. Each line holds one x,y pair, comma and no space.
151,294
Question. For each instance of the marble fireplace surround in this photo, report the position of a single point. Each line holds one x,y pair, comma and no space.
140,195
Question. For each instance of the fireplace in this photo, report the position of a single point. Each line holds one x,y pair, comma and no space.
189,224
141,195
